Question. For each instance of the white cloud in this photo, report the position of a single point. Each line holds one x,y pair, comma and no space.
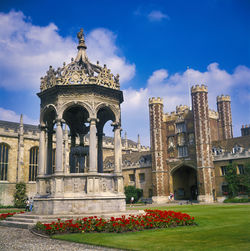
158,76
175,90
10,115
135,114
101,47
157,15
27,50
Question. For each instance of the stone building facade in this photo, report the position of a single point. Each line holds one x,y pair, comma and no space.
67,158
136,170
177,172
18,145
183,143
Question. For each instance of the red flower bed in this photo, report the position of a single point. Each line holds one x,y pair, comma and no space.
4,216
151,219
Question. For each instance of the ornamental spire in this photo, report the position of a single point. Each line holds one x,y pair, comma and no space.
80,71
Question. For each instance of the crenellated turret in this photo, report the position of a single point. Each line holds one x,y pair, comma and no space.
225,117
203,143
157,133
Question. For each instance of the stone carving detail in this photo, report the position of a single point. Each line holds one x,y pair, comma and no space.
104,186
106,78
76,186
80,71
48,187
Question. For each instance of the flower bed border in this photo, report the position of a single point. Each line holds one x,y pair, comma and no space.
3,216
152,219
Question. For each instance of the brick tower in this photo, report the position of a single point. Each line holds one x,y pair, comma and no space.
160,177
205,168
225,117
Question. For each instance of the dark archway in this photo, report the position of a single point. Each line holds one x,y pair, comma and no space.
185,183
104,115
76,118
48,118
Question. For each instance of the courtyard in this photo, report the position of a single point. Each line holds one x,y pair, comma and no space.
220,227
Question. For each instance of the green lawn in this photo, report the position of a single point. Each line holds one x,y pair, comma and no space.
220,227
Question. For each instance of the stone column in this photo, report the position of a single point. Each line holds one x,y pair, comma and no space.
92,146
49,150
118,147
59,147
42,157
100,154
66,151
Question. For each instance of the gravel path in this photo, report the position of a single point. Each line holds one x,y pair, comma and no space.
16,239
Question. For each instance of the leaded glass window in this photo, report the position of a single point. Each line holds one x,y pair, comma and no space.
33,163
4,157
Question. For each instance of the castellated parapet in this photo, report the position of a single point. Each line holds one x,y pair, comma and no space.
181,108
223,98
213,114
155,101
199,88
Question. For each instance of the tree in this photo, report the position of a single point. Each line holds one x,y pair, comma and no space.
244,179
20,195
131,191
232,180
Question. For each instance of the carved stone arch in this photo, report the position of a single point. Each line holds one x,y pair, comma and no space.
44,110
76,103
115,111
6,144
175,168
33,147
183,181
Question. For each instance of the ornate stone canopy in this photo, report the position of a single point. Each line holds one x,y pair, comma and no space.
80,97
80,71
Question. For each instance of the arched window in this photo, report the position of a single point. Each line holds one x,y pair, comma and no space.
33,163
4,156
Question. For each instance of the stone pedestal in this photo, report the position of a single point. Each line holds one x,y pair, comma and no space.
79,193
205,198
160,199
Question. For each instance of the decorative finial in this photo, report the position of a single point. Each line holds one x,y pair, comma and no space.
80,37
126,141
21,119
138,143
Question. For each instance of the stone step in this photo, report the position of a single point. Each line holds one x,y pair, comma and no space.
21,219
17,224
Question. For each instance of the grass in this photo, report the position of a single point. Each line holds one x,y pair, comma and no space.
220,227
10,210
237,200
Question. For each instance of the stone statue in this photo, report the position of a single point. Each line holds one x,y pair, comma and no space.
80,36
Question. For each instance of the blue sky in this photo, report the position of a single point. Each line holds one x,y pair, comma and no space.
149,43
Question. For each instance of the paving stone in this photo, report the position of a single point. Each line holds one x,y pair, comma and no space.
16,239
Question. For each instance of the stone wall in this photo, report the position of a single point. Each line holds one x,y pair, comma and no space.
137,173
